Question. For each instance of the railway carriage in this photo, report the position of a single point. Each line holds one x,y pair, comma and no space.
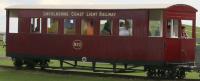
144,35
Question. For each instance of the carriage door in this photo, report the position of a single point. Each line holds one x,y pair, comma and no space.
179,44
187,40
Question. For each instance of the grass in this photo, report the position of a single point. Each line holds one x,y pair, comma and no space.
198,54
6,62
138,70
2,50
7,74
192,75
198,48
198,32
189,31
43,76
22,75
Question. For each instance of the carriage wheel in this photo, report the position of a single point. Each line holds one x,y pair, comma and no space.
18,63
44,64
180,73
30,64
165,72
151,73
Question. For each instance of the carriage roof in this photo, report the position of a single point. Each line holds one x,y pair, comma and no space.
95,6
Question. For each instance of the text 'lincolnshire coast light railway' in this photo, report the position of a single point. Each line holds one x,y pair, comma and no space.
152,36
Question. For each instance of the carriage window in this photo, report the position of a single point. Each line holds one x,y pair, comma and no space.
36,24
106,27
125,27
155,23
13,23
52,25
69,27
186,27
87,27
172,28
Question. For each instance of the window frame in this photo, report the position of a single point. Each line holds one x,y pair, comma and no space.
75,26
11,31
171,34
132,26
58,19
192,25
112,26
94,23
161,29
40,23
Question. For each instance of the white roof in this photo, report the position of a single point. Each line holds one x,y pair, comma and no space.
93,6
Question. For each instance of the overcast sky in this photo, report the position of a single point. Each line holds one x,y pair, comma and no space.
5,3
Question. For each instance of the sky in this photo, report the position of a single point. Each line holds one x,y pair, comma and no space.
6,3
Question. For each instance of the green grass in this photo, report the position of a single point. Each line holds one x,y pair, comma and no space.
37,74
6,62
137,72
2,50
198,50
192,75
25,75
198,32
7,74
189,31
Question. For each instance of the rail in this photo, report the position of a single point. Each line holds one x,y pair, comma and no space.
93,74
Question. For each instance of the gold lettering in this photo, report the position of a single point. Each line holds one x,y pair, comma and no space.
55,14
106,14
91,14
77,13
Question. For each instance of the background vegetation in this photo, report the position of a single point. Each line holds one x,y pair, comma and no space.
189,31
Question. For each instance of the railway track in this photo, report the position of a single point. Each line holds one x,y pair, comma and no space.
94,74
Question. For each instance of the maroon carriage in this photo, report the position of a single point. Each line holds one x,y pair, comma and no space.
153,36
